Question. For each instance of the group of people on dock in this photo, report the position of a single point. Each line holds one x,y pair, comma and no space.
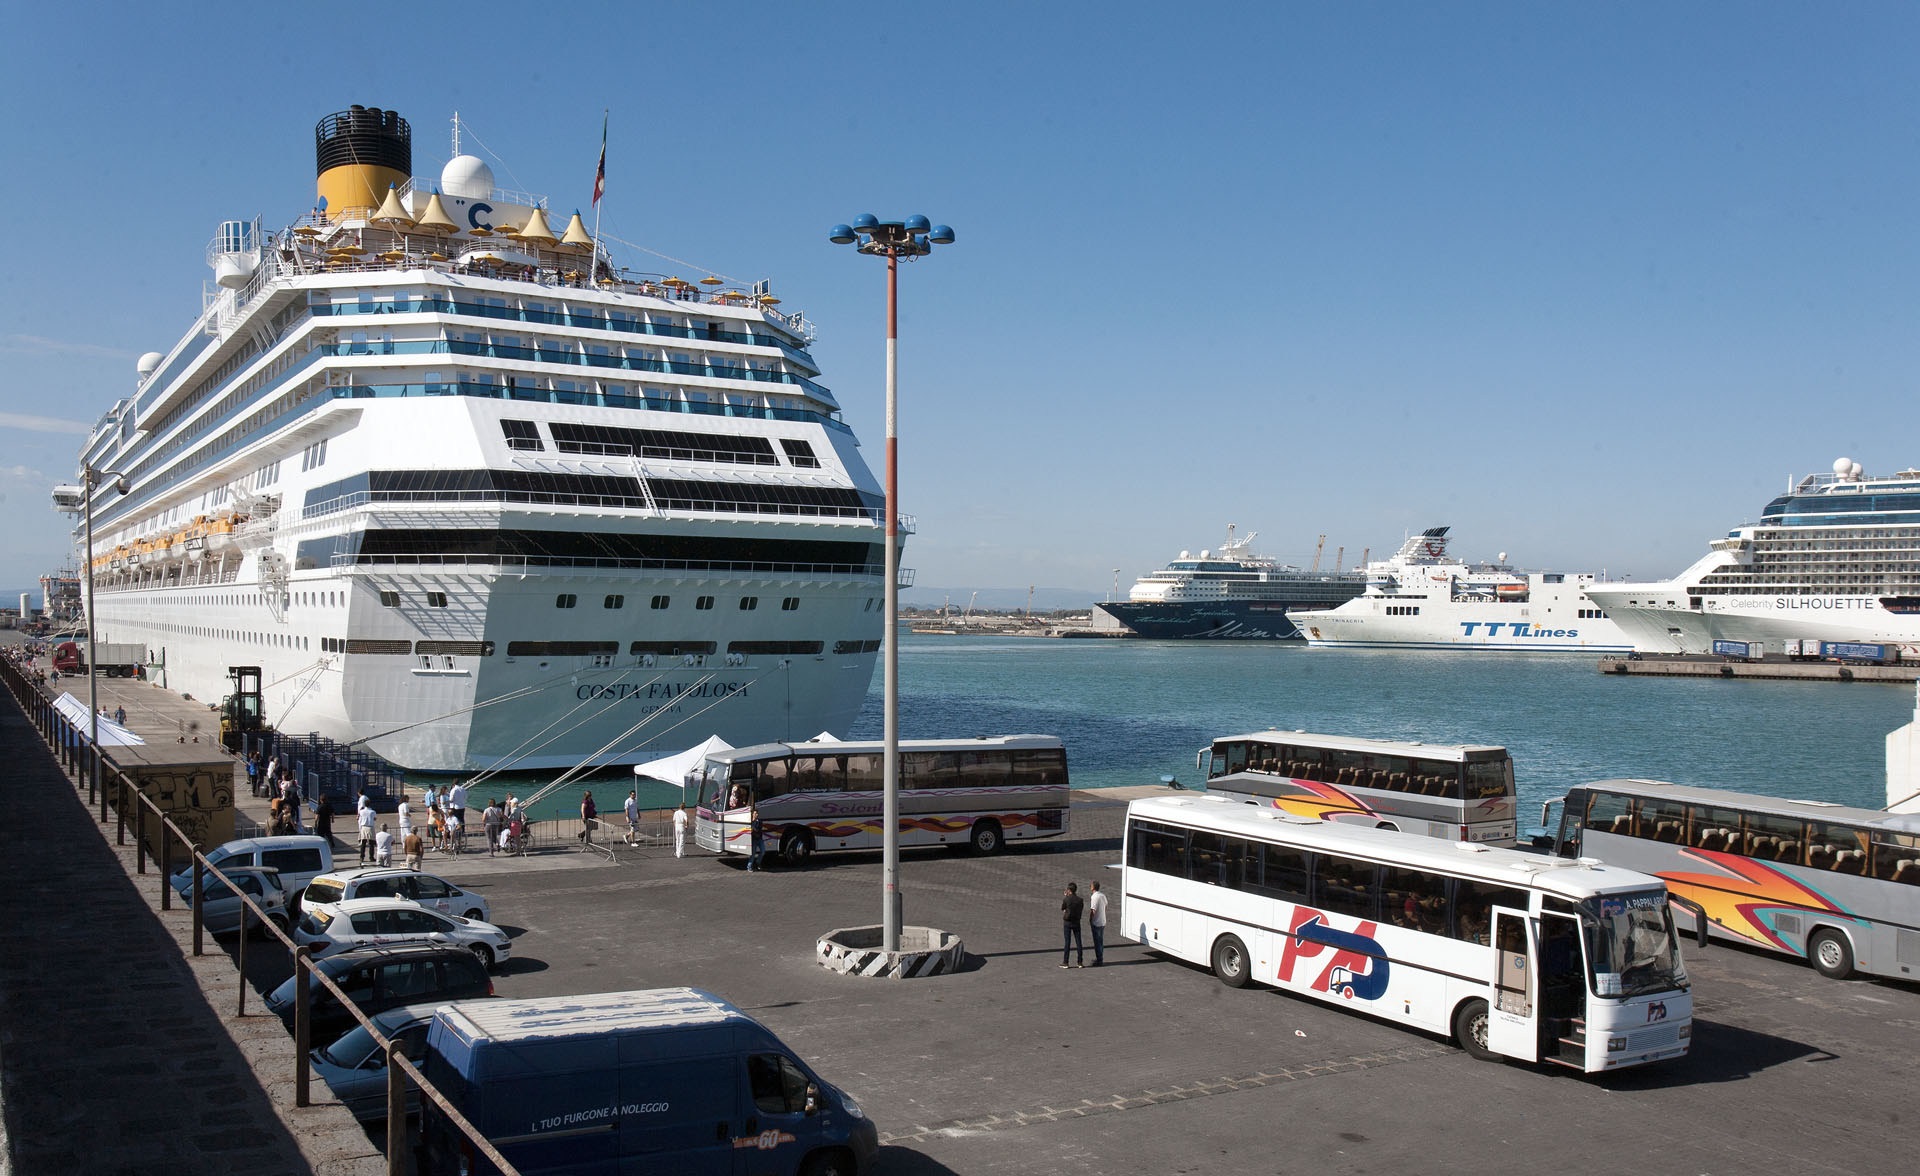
502,824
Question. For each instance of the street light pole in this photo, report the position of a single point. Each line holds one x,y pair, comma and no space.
913,237
92,479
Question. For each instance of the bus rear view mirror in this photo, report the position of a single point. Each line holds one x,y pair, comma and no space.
1699,914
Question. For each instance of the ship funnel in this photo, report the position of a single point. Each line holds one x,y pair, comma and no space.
358,154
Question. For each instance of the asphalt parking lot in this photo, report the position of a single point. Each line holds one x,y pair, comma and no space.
1150,1065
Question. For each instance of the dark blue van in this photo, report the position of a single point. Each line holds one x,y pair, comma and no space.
669,1079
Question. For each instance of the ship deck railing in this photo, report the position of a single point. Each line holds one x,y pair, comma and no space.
365,561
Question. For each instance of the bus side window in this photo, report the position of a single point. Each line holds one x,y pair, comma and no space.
1343,886
1473,904
772,780
1663,820
1283,874
1610,813
1775,839
1836,847
1206,857
1236,757
1896,858
866,773
1715,830
1158,848
1414,899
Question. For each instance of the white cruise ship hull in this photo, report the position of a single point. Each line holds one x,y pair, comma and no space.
1666,617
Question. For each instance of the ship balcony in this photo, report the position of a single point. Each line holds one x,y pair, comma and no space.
607,567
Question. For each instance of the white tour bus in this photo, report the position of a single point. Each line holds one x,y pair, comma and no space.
979,792
1441,936
1838,886
1461,792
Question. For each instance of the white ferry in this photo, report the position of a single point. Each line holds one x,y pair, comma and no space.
1229,594
472,498
1835,558
1424,598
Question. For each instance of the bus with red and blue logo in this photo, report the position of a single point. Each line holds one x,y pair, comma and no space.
1512,954
1462,792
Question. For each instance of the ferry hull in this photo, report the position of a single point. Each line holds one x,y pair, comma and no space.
1772,619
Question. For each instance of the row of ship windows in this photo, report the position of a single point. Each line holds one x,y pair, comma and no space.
390,598
1403,610
556,315
602,652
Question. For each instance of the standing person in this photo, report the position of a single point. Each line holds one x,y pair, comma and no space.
456,812
404,813
366,831
1071,908
757,830
439,826
587,815
323,820
383,847
633,817
290,792
120,715
680,831
253,775
1097,919
414,848
454,829
493,820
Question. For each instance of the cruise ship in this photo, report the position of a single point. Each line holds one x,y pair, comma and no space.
1835,558
1232,594
1422,597
472,498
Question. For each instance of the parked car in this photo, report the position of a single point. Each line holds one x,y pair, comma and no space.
221,910
300,858
355,1068
380,922
438,894
381,978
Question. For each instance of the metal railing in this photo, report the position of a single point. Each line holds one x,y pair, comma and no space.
118,791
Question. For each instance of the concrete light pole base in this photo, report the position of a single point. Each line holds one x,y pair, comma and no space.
924,951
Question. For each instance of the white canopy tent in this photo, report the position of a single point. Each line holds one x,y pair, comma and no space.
112,734
674,769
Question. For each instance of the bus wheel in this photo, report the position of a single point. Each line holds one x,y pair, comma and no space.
1230,961
796,846
1470,1030
986,839
1830,954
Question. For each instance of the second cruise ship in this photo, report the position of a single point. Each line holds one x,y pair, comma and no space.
471,497
1835,558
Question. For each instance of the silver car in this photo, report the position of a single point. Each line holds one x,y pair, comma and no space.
355,1068
390,922
221,910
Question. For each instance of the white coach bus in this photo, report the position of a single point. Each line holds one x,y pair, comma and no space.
1513,954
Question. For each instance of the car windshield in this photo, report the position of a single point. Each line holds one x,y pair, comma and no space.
324,890
351,1050
1631,947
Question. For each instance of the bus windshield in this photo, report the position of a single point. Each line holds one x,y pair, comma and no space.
1631,947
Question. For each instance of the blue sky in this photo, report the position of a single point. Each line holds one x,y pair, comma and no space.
1587,282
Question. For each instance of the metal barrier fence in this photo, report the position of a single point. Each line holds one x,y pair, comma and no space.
75,753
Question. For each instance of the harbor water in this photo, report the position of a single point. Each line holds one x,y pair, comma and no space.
1132,712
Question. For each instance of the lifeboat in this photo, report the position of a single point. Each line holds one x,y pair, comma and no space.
219,539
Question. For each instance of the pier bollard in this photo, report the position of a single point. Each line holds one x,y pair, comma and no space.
302,1027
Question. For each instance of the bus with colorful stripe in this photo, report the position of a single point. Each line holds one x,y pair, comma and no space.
1512,954
827,795
1462,792
1836,886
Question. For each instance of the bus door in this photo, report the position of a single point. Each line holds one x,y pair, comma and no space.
1513,1021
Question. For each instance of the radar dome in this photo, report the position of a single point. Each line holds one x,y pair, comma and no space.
1855,471
1503,557
149,364
1842,466
468,176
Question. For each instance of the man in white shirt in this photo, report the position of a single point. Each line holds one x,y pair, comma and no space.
456,813
383,847
366,831
405,815
680,831
1097,919
633,817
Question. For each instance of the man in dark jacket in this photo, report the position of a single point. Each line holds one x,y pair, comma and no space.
1072,906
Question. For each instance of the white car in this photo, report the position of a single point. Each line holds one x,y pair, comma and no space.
336,886
390,922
